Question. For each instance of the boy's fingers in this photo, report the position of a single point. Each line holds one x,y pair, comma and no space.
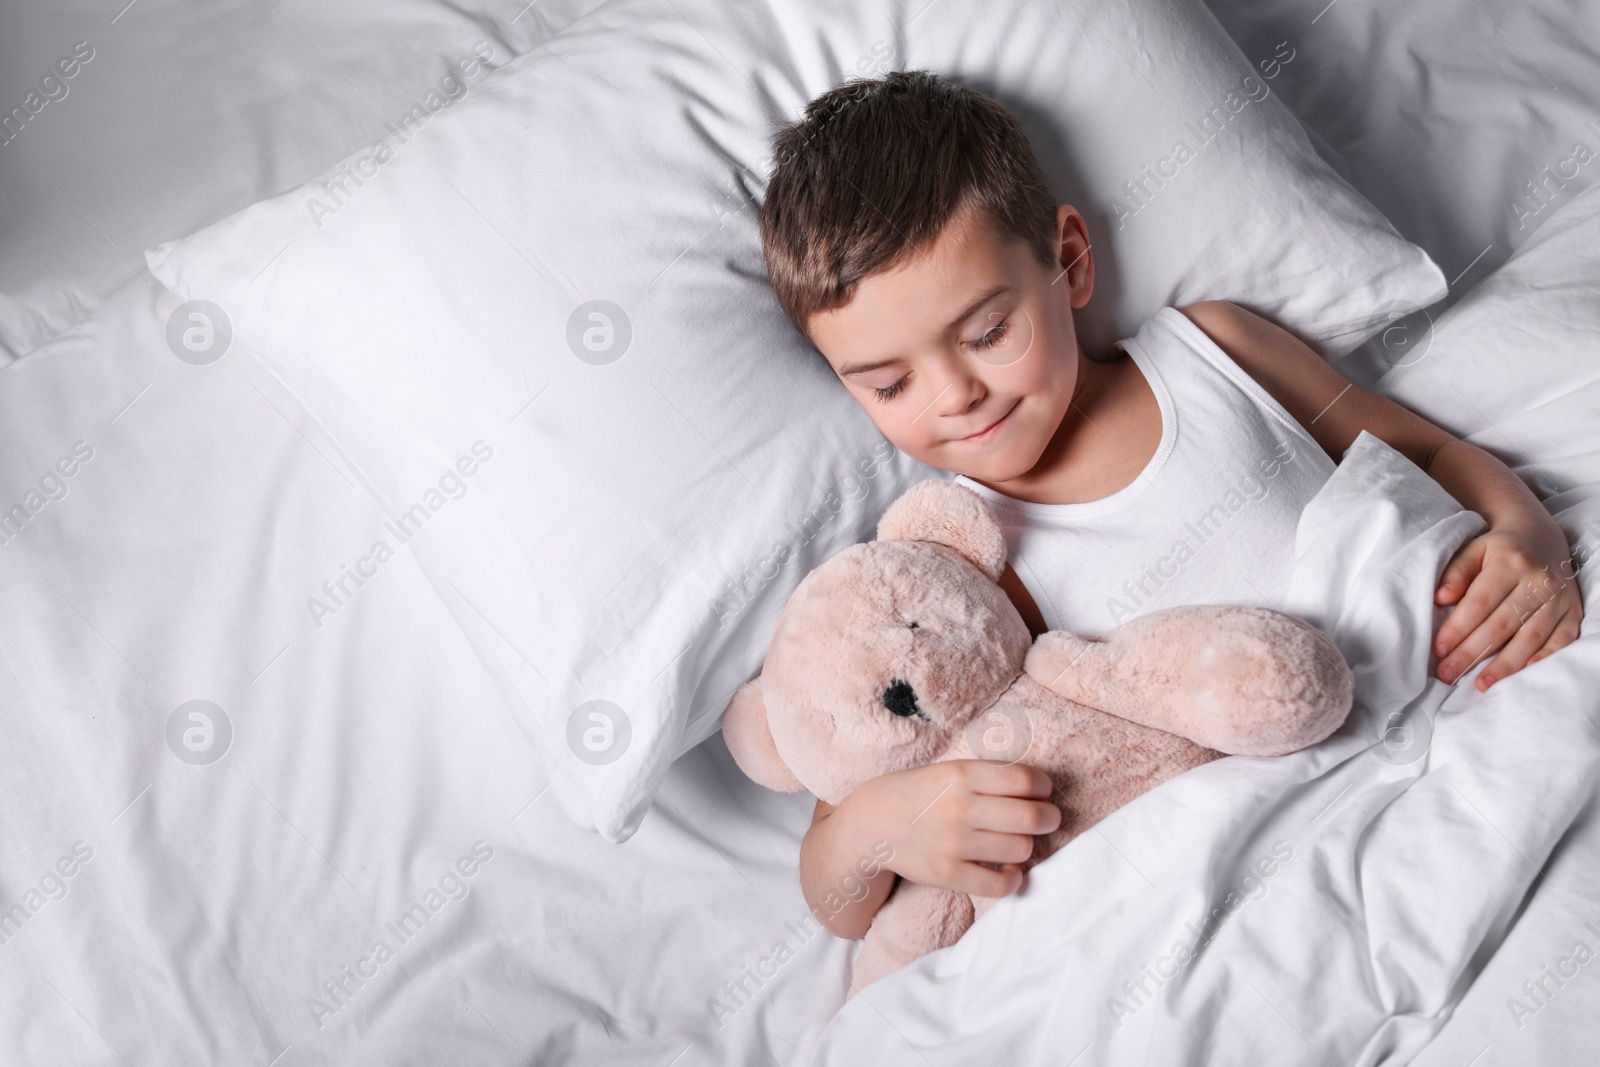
979,881
1486,639
1565,632
1535,631
1459,573
1486,593
1015,815
1008,779
989,847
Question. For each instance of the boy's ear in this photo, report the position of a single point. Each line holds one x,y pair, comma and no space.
949,514
749,738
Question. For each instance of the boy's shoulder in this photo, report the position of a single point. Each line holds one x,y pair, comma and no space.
1221,318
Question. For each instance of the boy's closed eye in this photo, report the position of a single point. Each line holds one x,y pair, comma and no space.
992,339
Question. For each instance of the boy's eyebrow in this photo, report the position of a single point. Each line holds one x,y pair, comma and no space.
983,298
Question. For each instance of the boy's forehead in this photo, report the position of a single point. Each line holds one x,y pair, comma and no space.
931,286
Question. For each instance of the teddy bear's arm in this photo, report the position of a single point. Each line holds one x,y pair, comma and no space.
1247,681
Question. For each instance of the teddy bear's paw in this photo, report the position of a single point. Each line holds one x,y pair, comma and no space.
1269,699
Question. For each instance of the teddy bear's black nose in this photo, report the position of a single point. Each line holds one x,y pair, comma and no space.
912,625
901,699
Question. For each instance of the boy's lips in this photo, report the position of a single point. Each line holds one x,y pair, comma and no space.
985,434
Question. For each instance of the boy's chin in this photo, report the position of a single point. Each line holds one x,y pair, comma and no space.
1002,466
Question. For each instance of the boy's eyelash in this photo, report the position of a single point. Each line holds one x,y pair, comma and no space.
993,337
988,340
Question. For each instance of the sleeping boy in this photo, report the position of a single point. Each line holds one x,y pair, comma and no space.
910,233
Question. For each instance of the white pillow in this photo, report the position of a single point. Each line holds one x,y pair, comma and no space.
125,151
1513,366
642,521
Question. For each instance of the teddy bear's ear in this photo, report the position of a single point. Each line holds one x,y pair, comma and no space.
950,514
749,738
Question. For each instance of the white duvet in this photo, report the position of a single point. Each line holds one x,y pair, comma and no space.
1329,907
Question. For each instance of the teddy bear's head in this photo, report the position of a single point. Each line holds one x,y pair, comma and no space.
885,652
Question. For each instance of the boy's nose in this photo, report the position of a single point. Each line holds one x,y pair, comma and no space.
959,394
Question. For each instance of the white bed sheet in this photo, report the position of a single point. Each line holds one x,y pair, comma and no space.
371,753
1493,1025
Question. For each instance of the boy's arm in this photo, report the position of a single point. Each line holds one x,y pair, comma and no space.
1513,587
828,856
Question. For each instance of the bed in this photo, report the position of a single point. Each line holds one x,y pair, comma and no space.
236,835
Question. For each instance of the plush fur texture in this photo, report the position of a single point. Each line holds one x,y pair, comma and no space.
903,651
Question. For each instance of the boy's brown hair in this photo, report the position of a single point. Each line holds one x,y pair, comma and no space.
875,169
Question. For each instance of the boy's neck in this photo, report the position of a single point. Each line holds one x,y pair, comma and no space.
1070,468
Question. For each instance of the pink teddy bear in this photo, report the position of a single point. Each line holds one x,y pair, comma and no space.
902,651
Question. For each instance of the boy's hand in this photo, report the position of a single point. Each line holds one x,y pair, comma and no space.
946,819
1515,593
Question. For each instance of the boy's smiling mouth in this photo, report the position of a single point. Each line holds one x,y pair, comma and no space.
987,434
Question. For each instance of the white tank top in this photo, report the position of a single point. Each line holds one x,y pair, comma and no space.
1210,520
